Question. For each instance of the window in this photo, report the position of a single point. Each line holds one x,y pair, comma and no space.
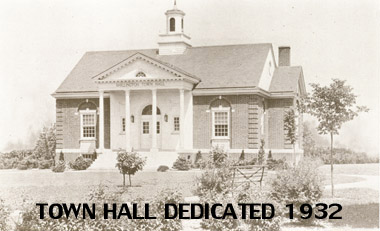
145,127
88,124
221,123
182,24
176,123
158,127
123,124
172,24
140,74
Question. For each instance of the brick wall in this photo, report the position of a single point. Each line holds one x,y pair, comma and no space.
68,123
276,112
244,121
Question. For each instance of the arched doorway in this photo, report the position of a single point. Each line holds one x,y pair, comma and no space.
147,128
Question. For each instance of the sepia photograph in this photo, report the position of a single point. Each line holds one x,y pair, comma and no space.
189,115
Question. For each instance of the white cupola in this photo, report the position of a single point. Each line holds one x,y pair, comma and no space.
174,41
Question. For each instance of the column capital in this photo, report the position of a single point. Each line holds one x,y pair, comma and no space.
154,90
127,91
101,92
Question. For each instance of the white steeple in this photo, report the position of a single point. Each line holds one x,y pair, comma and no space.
174,41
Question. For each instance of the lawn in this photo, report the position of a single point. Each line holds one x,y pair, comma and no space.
360,205
73,186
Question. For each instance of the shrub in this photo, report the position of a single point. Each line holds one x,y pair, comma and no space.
156,208
279,164
198,159
261,154
298,185
218,156
181,164
162,168
4,216
129,163
242,156
61,156
22,165
80,163
45,164
59,167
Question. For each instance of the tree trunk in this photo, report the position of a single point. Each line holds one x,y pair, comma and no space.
332,165
123,180
130,182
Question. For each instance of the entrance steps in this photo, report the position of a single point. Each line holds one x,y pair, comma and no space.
107,160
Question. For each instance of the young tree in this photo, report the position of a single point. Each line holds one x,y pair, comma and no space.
129,163
261,154
46,143
332,105
291,130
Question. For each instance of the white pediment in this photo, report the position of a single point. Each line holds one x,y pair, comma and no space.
139,67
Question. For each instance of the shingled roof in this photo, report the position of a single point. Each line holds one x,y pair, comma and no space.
287,79
228,66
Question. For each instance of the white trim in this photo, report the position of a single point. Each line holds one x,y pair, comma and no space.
220,109
71,95
87,112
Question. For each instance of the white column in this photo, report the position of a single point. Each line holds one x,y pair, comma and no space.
101,120
127,121
181,118
154,120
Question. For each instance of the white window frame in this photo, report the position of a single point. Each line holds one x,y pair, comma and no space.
179,124
87,112
221,109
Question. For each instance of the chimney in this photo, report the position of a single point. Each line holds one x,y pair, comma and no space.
284,56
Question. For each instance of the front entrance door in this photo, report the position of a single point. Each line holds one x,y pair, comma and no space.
147,128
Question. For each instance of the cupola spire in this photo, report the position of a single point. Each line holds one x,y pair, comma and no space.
174,41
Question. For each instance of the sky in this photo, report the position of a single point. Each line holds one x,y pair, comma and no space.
41,41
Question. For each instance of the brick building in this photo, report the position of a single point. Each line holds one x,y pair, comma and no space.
179,98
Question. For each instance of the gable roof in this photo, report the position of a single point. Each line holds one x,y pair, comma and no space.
288,79
217,66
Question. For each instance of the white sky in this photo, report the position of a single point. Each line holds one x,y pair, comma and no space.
41,41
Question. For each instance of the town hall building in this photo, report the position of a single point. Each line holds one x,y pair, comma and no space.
179,99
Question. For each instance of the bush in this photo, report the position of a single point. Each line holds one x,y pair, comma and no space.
181,164
80,163
298,185
4,216
22,165
218,156
59,167
45,164
162,168
279,164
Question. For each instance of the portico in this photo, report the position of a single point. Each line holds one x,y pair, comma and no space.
151,106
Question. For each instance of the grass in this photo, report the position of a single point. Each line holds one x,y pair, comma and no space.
352,169
19,187
360,205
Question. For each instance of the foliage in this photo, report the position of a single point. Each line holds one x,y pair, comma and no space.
22,165
332,105
218,156
46,143
61,156
279,164
45,164
162,168
290,126
4,216
129,163
99,196
181,164
59,167
198,158
215,180
80,163
298,185
157,206
341,156
261,154
242,156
